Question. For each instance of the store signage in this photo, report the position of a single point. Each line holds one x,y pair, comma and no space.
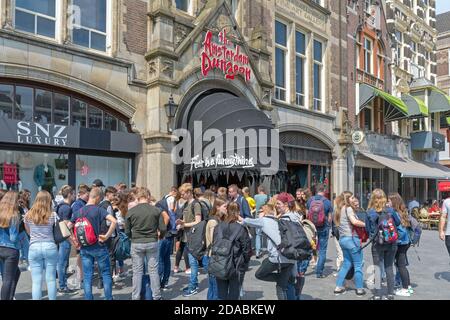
444,186
224,56
358,137
42,134
235,161
299,9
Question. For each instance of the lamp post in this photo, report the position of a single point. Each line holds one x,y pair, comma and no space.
171,110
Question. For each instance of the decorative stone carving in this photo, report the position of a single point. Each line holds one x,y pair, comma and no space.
152,68
180,33
167,68
266,95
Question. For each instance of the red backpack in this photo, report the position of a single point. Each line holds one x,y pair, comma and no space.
316,213
84,231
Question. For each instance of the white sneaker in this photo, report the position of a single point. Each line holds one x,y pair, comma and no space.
411,290
403,293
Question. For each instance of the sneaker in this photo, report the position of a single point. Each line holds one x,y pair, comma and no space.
339,291
189,293
321,276
164,287
411,290
62,291
360,292
188,271
376,298
403,293
389,297
335,274
176,270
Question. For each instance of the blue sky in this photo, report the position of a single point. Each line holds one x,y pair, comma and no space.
442,6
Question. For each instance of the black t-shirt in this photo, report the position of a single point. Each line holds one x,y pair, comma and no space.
95,215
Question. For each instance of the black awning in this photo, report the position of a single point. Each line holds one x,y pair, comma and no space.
220,112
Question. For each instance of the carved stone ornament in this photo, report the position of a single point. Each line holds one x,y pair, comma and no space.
152,68
167,68
180,33
266,95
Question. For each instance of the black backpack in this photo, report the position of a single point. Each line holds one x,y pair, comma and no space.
225,258
196,239
294,241
205,209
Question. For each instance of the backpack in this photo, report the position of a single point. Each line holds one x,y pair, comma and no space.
84,231
362,233
196,239
414,232
387,231
205,209
122,247
295,244
225,259
316,212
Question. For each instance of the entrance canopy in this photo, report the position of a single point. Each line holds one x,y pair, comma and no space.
438,101
411,168
226,142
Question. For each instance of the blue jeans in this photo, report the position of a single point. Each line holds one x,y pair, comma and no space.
24,244
213,294
165,249
1,268
193,281
353,255
63,262
322,236
258,240
43,255
87,258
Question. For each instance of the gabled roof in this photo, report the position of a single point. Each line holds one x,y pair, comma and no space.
443,22
420,83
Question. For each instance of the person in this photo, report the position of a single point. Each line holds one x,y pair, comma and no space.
260,199
338,204
180,246
192,214
434,207
345,219
413,204
444,235
382,253
120,208
98,183
234,196
64,213
217,214
323,231
142,224
275,268
24,240
9,244
251,202
222,193
39,224
229,228
403,244
97,251
301,199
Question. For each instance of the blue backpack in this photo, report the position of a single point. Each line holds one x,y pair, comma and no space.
122,246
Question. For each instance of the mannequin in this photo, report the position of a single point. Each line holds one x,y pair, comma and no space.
44,176
10,173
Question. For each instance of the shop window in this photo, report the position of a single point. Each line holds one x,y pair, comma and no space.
183,5
280,60
92,30
37,17
366,118
61,109
318,66
95,117
122,126
320,175
300,58
79,110
43,106
23,108
110,122
6,101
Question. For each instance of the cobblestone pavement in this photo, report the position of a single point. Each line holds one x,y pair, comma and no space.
429,270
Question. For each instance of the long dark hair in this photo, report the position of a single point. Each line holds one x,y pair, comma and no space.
399,206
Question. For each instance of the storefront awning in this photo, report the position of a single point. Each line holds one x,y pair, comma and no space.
411,168
416,107
438,101
444,186
395,108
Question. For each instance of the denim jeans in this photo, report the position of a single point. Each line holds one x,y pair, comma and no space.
322,236
63,262
165,250
353,256
385,255
24,244
140,252
43,256
258,241
1,268
88,256
193,281
212,282
10,259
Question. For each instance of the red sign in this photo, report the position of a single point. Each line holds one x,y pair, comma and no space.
444,186
220,56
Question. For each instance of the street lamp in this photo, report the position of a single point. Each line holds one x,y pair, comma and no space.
171,110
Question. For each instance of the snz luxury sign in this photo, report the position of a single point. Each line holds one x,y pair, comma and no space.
224,56
41,134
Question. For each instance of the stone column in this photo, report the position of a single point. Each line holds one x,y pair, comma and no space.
7,14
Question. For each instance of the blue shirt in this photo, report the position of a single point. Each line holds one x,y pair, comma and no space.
413,204
95,215
77,205
9,237
260,199
64,211
244,208
328,208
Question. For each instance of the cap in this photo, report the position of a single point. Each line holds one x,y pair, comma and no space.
98,183
285,197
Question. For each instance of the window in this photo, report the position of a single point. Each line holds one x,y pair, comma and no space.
122,126
43,106
79,109
6,101
318,66
37,17
418,124
23,108
182,5
92,32
280,60
367,4
61,109
110,122
319,2
368,55
95,117
300,58
367,121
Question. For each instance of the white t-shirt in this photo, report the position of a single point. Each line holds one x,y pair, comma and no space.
446,210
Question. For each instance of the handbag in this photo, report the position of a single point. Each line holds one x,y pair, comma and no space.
61,163
62,176
61,231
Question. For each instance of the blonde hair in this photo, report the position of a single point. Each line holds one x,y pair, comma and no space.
343,200
41,210
399,206
185,187
233,212
95,193
378,200
222,192
9,208
246,191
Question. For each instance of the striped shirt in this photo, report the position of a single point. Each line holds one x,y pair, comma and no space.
43,232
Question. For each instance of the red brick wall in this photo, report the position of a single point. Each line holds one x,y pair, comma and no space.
135,19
